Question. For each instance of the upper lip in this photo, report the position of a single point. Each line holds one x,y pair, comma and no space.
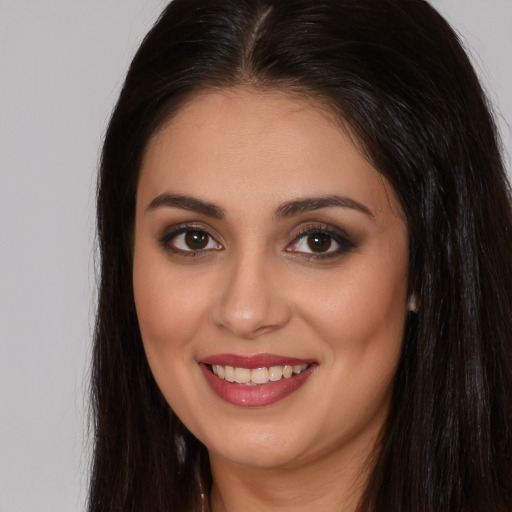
255,361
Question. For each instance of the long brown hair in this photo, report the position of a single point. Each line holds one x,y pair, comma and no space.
396,73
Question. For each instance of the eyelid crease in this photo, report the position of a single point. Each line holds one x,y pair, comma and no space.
182,227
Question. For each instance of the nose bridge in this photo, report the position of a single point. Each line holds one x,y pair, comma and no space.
251,302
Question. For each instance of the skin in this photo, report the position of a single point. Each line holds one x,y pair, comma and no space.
257,288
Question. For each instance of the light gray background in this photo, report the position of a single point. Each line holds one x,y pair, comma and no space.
61,66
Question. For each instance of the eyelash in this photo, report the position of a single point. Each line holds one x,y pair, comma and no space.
337,236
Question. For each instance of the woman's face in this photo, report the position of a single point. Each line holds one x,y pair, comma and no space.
269,252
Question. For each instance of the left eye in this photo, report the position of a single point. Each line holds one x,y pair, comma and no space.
192,240
315,242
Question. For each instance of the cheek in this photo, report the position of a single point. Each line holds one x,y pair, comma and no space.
169,312
360,309
169,309
367,309
359,314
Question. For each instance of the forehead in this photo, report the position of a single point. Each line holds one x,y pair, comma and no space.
241,142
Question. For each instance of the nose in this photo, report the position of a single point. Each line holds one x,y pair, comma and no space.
252,301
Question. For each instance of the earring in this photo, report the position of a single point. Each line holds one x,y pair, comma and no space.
412,304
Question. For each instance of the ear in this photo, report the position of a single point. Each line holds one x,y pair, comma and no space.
412,303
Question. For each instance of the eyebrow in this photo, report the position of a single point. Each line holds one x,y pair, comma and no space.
189,203
309,204
284,211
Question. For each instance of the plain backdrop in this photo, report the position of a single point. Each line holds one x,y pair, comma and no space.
62,63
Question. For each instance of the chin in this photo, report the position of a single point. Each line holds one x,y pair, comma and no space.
258,456
262,448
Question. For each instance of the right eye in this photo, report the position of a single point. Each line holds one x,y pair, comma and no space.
190,241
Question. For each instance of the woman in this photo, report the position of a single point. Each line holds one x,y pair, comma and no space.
306,296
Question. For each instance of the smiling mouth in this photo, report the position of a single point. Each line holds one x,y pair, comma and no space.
255,381
256,376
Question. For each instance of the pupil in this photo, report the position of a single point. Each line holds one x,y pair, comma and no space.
318,242
196,239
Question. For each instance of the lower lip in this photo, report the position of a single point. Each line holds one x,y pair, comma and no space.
258,395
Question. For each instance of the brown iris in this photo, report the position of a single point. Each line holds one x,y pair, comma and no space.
319,242
196,239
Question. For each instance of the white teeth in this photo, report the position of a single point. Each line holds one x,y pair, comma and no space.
276,372
257,375
260,375
242,375
229,373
